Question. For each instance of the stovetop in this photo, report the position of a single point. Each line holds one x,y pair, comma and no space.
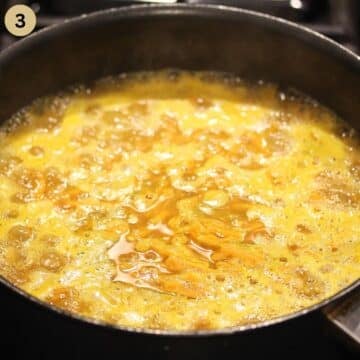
337,19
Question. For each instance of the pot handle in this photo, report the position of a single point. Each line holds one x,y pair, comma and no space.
345,317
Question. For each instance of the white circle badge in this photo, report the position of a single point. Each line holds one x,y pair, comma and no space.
20,20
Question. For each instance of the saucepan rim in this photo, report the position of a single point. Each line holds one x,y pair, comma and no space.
200,11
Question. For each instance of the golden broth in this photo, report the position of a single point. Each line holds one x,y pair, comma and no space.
176,200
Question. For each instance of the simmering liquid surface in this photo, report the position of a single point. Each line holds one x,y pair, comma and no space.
176,200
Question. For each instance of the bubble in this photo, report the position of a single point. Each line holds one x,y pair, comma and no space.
20,234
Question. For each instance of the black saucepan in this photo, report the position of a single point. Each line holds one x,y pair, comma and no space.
249,44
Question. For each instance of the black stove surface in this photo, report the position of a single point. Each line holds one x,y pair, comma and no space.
338,19
23,336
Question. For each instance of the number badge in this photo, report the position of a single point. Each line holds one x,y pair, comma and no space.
20,20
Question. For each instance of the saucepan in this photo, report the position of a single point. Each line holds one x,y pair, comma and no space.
249,44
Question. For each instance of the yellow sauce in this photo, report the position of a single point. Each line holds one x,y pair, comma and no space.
179,201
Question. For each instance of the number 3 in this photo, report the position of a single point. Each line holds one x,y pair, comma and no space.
20,21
